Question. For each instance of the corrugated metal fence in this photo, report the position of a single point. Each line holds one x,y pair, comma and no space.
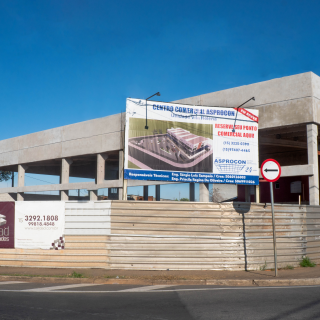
178,235
206,236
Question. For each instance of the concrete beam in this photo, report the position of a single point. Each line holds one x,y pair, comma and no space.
293,171
281,101
136,183
66,186
282,143
312,136
88,137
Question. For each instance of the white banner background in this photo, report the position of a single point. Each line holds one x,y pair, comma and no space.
34,226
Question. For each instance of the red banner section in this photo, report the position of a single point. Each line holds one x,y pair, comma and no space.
248,114
6,224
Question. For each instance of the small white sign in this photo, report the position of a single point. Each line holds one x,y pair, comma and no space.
39,225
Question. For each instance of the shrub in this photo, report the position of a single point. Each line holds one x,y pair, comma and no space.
306,262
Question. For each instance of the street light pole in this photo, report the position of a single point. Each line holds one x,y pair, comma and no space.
234,125
156,94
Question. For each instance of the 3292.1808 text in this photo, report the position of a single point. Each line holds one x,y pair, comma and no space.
39,218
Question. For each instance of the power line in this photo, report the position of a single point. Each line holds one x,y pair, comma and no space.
40,179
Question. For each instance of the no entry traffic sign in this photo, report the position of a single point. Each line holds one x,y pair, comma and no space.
271,170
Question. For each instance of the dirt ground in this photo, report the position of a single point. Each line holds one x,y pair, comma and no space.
297,273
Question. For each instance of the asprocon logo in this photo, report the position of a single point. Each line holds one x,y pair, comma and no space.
3,220
229,161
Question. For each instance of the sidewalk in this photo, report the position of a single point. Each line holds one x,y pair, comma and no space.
297,276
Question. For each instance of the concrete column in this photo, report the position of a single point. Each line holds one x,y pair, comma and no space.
121,192
21,176
158,192
93,195
257,194
64,177
65,170
124,190
121,165
312,136
64,195
101,167
145,193
204,192
192,195
247,194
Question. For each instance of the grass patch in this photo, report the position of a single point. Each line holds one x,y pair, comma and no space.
289,267
72,275
76,275
306,262
33,275
263,267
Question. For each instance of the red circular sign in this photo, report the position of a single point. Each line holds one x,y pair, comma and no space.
270,170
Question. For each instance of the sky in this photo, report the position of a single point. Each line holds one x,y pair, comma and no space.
63,62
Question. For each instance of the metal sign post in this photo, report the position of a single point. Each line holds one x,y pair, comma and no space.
274,231
271,171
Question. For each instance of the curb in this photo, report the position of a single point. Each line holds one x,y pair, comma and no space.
211,282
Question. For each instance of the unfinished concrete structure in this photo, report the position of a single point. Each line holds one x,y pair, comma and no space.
288,132
289,115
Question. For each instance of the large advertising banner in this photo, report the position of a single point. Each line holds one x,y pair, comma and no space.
7,224
39,225
185,143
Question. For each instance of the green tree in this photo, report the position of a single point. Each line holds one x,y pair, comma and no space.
5,175
184,199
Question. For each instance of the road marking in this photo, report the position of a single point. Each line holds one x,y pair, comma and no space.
68,286
58,289
11,282
146,288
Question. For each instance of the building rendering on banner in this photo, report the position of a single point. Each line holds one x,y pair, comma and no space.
289,115
190,143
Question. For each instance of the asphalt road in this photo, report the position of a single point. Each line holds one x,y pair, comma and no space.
87,301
